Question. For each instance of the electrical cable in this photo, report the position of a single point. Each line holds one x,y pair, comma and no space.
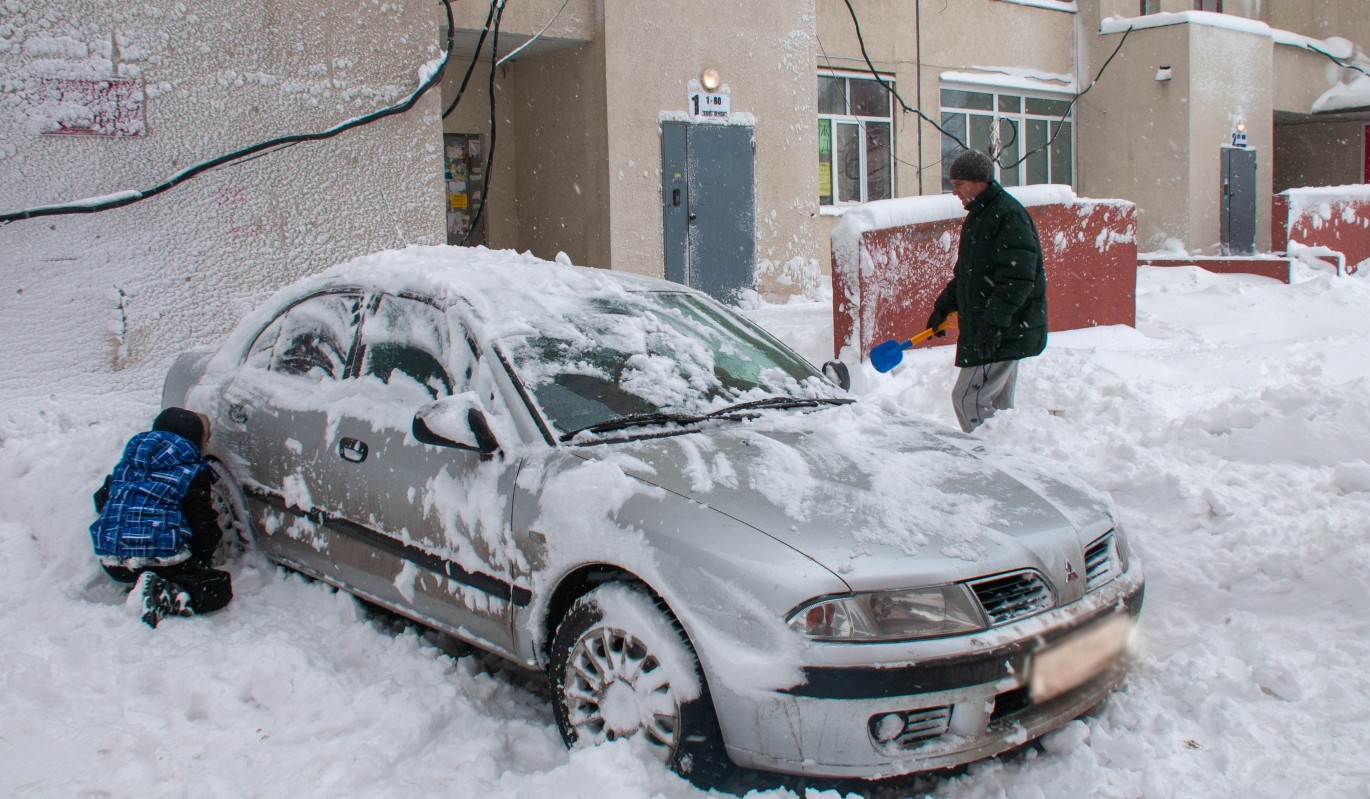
861,40
1339,62
1061,123
490,150
907,108
480,42
536,36
242,155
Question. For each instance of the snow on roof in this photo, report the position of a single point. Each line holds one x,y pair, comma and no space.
1334,46
1011,78
1210,19
1345,96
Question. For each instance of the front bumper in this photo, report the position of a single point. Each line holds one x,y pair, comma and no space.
926,705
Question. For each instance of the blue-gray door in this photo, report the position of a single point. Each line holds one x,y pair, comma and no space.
708,188
1238,207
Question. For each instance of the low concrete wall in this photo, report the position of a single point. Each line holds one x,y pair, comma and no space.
890,260
1266,266
1335,217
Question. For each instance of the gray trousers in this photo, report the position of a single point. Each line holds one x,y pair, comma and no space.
982,390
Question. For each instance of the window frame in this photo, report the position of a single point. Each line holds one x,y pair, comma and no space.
997,114
832,202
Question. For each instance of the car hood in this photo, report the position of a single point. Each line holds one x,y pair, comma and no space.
880,501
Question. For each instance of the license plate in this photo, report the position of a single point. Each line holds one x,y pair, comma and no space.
1077,658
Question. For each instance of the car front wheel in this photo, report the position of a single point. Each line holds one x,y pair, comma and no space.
622,668
231,507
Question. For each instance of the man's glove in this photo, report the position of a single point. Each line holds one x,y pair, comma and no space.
987,341
935,321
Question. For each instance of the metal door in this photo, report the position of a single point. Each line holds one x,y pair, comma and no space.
1238,209
708,188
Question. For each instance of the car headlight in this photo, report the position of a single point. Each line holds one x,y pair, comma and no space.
891,615
1120,548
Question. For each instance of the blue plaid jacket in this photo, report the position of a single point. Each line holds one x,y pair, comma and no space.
142,522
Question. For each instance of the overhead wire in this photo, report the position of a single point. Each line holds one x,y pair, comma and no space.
242,155
489,150
860,38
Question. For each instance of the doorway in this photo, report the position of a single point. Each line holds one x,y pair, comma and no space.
1238,205
464,179
708,188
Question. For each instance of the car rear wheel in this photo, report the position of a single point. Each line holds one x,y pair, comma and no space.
622,668
231,506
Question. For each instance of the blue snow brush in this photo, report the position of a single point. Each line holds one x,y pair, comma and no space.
887,354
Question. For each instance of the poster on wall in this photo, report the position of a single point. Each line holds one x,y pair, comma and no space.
465,182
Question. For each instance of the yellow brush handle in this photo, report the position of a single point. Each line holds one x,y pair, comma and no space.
929,333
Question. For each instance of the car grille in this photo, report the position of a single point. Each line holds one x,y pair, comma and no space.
904,729
1009,597
1099,562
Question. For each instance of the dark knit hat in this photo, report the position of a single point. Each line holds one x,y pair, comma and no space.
182,422
973,165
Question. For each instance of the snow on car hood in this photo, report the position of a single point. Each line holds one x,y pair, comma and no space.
880,500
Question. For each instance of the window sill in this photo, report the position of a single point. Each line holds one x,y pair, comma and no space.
1067,6
836,210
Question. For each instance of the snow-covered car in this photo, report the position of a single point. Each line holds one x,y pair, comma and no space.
705,543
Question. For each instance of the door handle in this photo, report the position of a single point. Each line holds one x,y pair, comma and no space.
352,450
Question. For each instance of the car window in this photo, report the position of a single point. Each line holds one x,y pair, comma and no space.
405,345
660,352
311,339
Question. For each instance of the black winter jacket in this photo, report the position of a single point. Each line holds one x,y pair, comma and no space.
999,280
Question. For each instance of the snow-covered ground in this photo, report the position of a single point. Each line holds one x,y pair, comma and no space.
1231,428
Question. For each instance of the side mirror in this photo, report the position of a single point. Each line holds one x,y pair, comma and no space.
838,374
456,422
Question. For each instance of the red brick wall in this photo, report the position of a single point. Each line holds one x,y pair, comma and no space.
1336,217
1089,248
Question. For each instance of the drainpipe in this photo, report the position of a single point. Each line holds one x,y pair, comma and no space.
918,79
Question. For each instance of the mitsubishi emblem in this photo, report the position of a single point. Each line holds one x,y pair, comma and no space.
1071,574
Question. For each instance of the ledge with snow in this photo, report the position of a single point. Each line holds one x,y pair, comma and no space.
891,258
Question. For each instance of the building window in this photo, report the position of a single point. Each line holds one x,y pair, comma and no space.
855,145
1209,5
1034,136
1150,7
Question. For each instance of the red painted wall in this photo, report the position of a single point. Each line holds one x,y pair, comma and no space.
1089,249
1336,217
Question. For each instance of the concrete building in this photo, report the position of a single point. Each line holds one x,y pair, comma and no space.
654,137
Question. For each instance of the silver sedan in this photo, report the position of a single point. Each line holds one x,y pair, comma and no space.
708,546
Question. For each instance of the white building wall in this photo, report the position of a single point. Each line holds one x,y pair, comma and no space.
153,278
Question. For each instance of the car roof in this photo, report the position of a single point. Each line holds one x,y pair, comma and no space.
503,291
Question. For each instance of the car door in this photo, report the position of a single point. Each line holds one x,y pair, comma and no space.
427,525
273,421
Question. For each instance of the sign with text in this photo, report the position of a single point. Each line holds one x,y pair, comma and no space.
90,107
706,105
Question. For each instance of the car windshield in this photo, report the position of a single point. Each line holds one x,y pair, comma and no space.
657,357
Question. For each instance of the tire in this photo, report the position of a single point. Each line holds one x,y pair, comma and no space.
622,668
228,500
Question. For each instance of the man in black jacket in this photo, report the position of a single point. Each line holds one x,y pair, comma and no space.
998,292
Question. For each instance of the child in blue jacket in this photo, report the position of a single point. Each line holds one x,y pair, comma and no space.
157,528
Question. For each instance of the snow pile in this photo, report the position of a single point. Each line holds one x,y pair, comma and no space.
1230,430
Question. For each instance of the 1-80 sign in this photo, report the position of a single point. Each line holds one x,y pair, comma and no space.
709,106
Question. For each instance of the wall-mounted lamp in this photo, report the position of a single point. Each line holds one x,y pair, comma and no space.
710,80
1239,134
1163,74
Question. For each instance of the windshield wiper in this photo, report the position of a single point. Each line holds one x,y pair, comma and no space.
635,420
779,402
